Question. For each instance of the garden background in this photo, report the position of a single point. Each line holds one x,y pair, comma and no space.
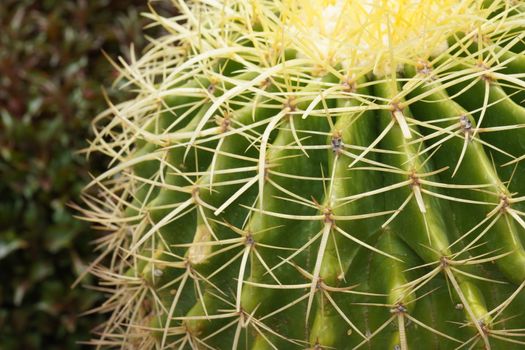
52,71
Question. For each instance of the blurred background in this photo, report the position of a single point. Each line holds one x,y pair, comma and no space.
51,74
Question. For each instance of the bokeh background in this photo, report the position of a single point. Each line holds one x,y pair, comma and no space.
51,76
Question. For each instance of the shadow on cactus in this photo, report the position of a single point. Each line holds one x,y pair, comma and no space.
317,174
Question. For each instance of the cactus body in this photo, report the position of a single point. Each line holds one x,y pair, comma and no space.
318,174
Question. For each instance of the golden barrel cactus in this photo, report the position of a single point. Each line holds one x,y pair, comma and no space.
316,174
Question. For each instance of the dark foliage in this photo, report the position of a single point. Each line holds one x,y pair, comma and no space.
51,73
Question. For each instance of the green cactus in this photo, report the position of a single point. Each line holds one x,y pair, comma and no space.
317,174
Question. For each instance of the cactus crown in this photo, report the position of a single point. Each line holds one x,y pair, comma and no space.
367,36
317,174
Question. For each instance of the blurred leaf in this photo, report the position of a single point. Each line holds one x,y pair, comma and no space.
7,248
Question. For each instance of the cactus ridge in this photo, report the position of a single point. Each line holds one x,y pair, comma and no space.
266,194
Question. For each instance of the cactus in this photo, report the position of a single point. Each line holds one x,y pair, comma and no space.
317,174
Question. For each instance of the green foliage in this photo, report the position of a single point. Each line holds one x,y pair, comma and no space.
51,73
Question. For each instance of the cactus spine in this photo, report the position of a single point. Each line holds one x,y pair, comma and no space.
317,174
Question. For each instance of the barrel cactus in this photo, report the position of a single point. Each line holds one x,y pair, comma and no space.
316,174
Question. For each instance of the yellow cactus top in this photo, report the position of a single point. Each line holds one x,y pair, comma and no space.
377,33
359,35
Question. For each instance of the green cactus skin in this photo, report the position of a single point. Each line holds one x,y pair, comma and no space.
264,196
